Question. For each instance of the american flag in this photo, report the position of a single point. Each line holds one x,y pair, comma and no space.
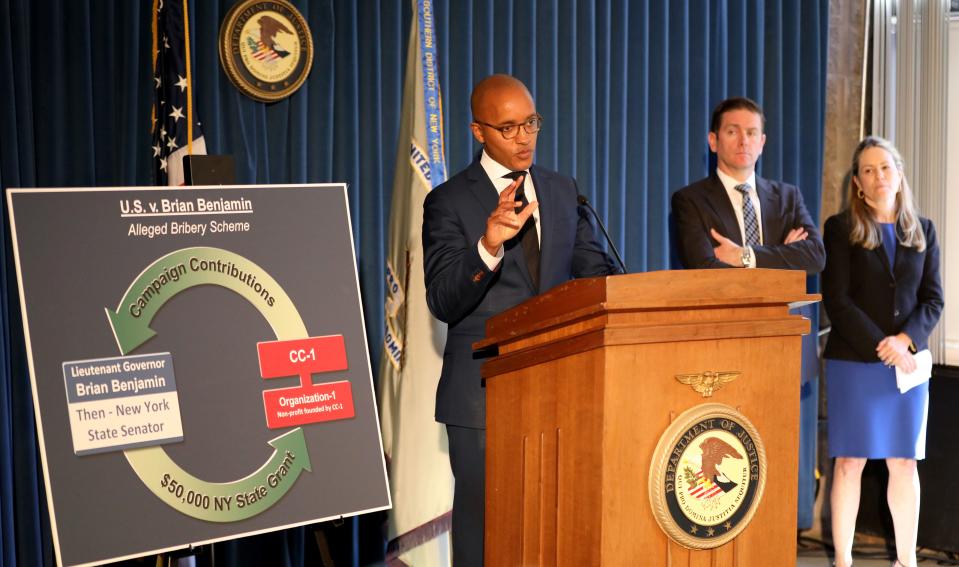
704,488
176,128
261,51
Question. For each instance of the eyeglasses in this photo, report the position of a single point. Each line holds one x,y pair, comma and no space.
532,125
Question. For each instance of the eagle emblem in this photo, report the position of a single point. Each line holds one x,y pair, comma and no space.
269,27
708,382
266,48
714,451
708,472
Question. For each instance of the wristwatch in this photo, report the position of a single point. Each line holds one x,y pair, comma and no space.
747,255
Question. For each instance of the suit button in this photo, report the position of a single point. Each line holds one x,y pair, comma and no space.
895,313
892,284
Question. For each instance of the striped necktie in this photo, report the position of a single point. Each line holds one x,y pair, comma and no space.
750,222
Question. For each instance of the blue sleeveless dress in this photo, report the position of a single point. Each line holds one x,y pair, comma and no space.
868,417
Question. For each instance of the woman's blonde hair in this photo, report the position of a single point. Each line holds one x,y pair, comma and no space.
865,230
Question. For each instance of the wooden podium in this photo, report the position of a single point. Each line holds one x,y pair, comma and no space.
585,385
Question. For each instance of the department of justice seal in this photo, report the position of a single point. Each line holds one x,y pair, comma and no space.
266,48
707,476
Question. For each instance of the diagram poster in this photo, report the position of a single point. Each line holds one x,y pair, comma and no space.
199,363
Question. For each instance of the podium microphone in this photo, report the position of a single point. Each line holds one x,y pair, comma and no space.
585,202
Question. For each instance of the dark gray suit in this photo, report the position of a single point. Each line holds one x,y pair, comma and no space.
705,204
462,291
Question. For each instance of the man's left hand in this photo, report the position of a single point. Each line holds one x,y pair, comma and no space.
728,251
796,235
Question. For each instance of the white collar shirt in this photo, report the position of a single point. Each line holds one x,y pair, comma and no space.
496,172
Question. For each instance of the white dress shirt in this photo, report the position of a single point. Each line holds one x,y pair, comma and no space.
736,198
496,171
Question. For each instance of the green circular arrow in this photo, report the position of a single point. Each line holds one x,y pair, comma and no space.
227,501
189,267
157,284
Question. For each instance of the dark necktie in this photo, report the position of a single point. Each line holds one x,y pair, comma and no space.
750,222
527,235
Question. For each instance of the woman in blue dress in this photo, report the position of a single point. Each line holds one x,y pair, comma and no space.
883,295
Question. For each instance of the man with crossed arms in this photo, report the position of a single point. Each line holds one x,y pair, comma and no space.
736,219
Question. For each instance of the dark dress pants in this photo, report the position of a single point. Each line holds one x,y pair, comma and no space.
468,462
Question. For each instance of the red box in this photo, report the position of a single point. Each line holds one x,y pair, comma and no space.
279,359
289,407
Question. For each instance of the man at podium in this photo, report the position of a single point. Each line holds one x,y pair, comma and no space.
494,235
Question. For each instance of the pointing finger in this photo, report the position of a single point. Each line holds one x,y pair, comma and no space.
524,215
510,191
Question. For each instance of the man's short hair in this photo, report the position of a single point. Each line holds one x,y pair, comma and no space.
735,103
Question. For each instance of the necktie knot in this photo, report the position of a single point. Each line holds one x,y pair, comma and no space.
742,188
514,175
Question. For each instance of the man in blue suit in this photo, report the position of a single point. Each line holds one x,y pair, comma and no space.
494,235
736,219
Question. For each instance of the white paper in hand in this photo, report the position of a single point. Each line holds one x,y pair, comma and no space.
922,373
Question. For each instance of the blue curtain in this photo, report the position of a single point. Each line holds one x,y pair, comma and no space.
626,88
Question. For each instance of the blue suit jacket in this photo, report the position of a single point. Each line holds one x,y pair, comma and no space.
464,293
705,204
867,299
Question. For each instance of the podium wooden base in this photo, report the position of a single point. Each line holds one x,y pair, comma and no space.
584,387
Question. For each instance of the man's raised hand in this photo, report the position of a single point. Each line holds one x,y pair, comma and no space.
504,222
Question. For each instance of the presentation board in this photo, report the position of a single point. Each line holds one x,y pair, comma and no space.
199,363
